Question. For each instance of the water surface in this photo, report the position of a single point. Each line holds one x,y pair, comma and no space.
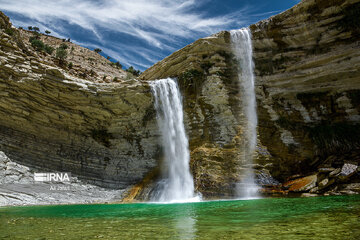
273,218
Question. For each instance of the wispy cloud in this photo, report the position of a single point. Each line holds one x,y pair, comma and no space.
160,24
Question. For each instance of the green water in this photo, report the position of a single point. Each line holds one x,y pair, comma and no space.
271,218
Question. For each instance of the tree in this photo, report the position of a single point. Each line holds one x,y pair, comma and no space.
61,54
108,58
97,50
36,29
117,64
63,46
30,28
133,71
48,49
37,44
47,32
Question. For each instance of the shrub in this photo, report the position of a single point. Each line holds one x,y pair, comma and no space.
61,53
97,50
48,49
63,46
37,44
36,29
47,32
70,65
9,31
30,28
117,64
133,71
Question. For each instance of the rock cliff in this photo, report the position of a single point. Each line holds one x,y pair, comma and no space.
51,120
307,66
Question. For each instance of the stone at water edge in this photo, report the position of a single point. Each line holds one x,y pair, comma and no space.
314,190
326,169
309,195
335,172
355,187
347,171
302,184
325,183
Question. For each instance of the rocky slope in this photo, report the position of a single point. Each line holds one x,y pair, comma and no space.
52,120
17,187
83,62
307,62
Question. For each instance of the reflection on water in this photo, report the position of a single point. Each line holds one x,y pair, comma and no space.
185,223
276,218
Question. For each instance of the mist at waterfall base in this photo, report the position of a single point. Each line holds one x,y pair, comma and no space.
177,183
242,48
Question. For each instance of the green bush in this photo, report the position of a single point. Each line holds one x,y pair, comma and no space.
63,46
133,71
9,31
70,65
97,50
47,32
37,44
48,49
61,53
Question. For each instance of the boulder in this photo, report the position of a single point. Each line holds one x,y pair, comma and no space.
302,184
335,172
347,171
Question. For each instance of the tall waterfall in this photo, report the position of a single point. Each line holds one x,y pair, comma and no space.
177,184
242,47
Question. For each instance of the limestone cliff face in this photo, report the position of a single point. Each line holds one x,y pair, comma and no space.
307,86
49,120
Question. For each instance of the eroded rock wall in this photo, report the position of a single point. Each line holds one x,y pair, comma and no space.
104,133
307,89
308,84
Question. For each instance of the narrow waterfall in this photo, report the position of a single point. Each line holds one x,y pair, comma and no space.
242,47
177,184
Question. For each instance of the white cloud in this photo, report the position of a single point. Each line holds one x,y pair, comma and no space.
163,24
135,17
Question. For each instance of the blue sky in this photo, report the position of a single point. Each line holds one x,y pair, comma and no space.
139,32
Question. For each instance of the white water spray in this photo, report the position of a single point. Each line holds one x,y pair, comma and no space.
242,47
177,184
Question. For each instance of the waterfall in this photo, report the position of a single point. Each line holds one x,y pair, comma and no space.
177,184
242,47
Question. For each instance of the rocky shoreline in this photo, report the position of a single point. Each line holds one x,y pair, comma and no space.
17,188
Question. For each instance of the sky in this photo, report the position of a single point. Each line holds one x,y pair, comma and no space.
139,33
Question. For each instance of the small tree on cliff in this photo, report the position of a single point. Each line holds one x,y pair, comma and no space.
97,50
47,32
61,54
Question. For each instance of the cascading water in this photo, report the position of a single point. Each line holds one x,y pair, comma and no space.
177,184
242,47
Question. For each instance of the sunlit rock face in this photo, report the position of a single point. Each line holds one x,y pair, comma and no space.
104,133
307,88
